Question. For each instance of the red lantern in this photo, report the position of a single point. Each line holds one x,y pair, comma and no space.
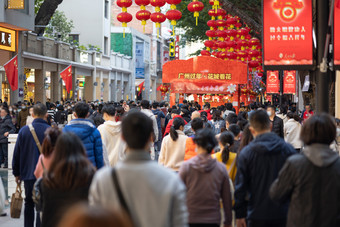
231,45
253,54
242,55
231,34
124,4
231,55
205,53
157,17
253,64
196,7
173,15
231,22
241,33
238,25
242,44
209,43
254,43
212,13
210,33
143,15
212,23
124,18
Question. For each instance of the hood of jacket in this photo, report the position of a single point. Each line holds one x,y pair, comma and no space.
320,155
268,142
82,127
203,163
113,127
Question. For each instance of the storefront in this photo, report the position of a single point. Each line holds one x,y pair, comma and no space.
205,79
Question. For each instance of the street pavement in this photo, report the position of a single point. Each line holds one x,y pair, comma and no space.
8,181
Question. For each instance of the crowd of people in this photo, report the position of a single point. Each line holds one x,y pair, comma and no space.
151,164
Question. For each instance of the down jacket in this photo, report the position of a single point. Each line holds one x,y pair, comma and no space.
90,136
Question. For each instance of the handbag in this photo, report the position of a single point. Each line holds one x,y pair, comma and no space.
16,202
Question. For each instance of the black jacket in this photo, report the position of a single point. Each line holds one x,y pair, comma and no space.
311,182
6,125
278,126
258,166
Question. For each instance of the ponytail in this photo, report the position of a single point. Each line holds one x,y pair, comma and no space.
225,153
176,124
227,140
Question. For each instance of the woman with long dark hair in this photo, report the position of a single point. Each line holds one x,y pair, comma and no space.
207,183
247,137
228,158
218,121
67,181
173,146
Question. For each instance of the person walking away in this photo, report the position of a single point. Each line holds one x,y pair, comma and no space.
229,109
310,181
88,134
277,123
25,158
190,146
145,108
207,183
47,149
247,137
22,116
218,121
173,146
258,165
206,108
30,118
283,114
175,113
292,130
111,134
6,128
188,128
61,116
307,113
236,131
226,156
67,181
146,188
159,117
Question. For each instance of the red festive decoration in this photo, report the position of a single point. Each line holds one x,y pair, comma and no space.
143,15
196,7
157,17
124,17
173,15
205,53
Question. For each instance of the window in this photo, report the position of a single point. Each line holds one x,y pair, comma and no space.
106,12
74,38
106,44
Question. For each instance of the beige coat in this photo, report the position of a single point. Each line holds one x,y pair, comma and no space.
172,152
111,134
291,131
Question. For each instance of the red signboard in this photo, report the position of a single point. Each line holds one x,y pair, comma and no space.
289,82
273,82
337,33
287,33
202,75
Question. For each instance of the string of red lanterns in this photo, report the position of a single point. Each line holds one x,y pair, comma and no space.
124,17
143,15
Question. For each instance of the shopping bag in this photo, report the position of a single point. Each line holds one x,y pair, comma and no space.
16,202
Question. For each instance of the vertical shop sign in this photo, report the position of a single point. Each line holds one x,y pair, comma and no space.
289,82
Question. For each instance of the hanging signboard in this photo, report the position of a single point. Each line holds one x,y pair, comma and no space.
287,34
273,82
140,60
337,34
7,39
289,82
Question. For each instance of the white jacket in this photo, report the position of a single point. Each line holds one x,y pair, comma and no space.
291,131
172,152
111,134
154,121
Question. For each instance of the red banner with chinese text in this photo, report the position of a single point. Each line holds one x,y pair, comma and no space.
289,82
273,82
337,33
287,32
203,75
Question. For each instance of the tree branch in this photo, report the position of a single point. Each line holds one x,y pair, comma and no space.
44,15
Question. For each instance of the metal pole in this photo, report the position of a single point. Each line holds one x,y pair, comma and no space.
322,78
281,86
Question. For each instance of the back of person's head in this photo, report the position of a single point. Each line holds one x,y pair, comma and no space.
319,128
82,215
247,137
145,104
205,138
259,121
81,109
155,105
294,116
137,130
229,106
119,113
195,114
196,124
231,118
176,111
227,140
109,110
217,115
176,124
48,145
70,167
206,106
235,129
39,110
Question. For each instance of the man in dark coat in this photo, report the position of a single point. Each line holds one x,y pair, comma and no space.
258,166
6,128
25,158
277,123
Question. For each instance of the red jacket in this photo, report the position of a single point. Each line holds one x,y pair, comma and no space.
208,113
167,130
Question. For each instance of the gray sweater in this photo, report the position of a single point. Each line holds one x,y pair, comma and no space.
154,195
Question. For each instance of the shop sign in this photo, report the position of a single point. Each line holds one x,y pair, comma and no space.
337,33
7,39
287,34
273,82
289,82
16,4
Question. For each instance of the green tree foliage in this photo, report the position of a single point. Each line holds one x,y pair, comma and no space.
37,4
59,27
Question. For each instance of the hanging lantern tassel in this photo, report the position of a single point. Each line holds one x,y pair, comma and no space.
196,7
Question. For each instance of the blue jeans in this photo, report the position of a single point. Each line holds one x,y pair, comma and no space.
29,205
4,153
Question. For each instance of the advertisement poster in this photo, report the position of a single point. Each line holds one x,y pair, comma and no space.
289,82
140,60
287,33
273,82
337,33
